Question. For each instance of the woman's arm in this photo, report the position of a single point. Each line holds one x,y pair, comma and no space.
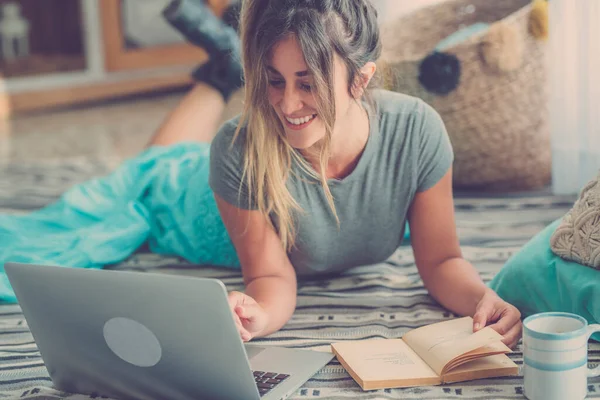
450,279
268,274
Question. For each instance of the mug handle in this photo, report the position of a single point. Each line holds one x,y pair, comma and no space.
593,372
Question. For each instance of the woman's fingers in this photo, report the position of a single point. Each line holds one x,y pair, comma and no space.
243,312
235,300
244,334
512,337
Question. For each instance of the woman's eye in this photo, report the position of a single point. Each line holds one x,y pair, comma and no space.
276,83
306,87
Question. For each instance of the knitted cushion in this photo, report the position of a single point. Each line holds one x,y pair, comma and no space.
577,238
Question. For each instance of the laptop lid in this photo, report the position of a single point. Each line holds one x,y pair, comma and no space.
133,335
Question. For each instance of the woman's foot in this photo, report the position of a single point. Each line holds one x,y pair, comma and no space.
199,25
222,72
231,15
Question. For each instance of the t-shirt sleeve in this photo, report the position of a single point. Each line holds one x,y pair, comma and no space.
227,166
435,150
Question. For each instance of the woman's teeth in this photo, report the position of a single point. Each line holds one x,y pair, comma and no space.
300,121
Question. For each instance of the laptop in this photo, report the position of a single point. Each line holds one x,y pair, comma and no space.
137,335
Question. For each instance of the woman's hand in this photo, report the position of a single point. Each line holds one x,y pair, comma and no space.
501,316
249,316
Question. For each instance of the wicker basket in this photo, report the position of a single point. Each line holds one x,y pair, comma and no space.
496,120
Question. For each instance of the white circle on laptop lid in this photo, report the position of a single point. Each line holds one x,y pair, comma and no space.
132,342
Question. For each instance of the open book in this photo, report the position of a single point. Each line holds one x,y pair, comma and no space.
440,353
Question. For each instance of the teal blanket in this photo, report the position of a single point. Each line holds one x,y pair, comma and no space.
161,197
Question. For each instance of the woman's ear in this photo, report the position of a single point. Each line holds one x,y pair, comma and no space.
362,81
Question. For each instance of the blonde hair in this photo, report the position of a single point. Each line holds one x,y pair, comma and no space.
322,28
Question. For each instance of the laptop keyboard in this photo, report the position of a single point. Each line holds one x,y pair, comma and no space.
266,381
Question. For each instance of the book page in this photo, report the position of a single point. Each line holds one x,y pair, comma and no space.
496,347
486,367
439,344
487,350
384,363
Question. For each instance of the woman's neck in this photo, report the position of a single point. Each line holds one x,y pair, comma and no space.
349,140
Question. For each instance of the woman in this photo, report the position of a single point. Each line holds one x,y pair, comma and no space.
313,178
318,174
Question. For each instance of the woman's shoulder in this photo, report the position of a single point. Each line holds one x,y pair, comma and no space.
229,127
225,140
403,116
395,103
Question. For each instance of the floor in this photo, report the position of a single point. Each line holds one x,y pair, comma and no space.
107,132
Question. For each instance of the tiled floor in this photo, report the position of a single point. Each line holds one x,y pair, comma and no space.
108,132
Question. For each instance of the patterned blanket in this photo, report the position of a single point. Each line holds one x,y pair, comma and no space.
378,301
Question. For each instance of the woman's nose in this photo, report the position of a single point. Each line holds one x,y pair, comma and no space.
291,101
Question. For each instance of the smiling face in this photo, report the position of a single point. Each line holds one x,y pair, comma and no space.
291,94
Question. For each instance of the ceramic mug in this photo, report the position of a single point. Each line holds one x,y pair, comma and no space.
555,356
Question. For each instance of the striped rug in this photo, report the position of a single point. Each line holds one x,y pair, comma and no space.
379,301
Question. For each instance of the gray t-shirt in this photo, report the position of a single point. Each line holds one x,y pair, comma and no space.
407,151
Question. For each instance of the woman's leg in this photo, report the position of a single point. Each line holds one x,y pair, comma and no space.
196,117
